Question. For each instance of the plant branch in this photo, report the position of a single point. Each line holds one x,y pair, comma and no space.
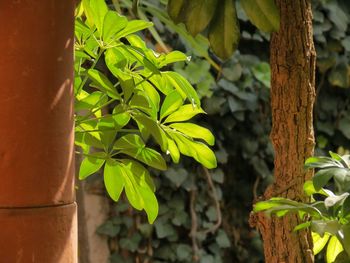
194,225
215,198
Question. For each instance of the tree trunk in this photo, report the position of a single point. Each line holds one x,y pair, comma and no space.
292,98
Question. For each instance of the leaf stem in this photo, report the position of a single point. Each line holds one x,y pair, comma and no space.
93,65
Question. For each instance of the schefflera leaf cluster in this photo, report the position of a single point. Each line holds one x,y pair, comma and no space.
125,102
219,18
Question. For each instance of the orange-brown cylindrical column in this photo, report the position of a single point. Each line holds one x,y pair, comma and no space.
37,209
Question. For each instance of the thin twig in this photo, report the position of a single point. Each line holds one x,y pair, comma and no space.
255,188
215,198
194,225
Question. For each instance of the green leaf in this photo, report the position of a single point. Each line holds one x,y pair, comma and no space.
173,151
150,204
161,83
131,189
263,14
133,146
132,27
129,141
309,189
172,57
176,10
177,176
88,13
222,239
265,205
281,206
107,129
194,131
323,226
333,249
346,207
140,174
183,87
112,24
344,126
341,159
91,102
103,83
344,237
262,73
184,113
224,30
171,103
115,60
322,177
322,162
143,187
81,31
319,242
113,179
302,226
99,9
121,118
140,56
153,97
198,15
89,138
199,151
164,229
108,228
91,164
204,155
153,127
139,101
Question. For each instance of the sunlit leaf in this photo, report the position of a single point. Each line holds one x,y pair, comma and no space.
174,56
194,131
319,242
112,24
99,9
333,249
183,87
113,179
171,103
132,27
91,164
103,83
154,129
133,146
184,113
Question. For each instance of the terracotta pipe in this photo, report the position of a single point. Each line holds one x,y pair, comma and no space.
37,208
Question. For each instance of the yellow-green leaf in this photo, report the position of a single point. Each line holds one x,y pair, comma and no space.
184,113
113,179
194,131
319,242
91,164
333,249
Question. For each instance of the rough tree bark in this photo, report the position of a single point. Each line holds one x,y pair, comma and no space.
292,98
